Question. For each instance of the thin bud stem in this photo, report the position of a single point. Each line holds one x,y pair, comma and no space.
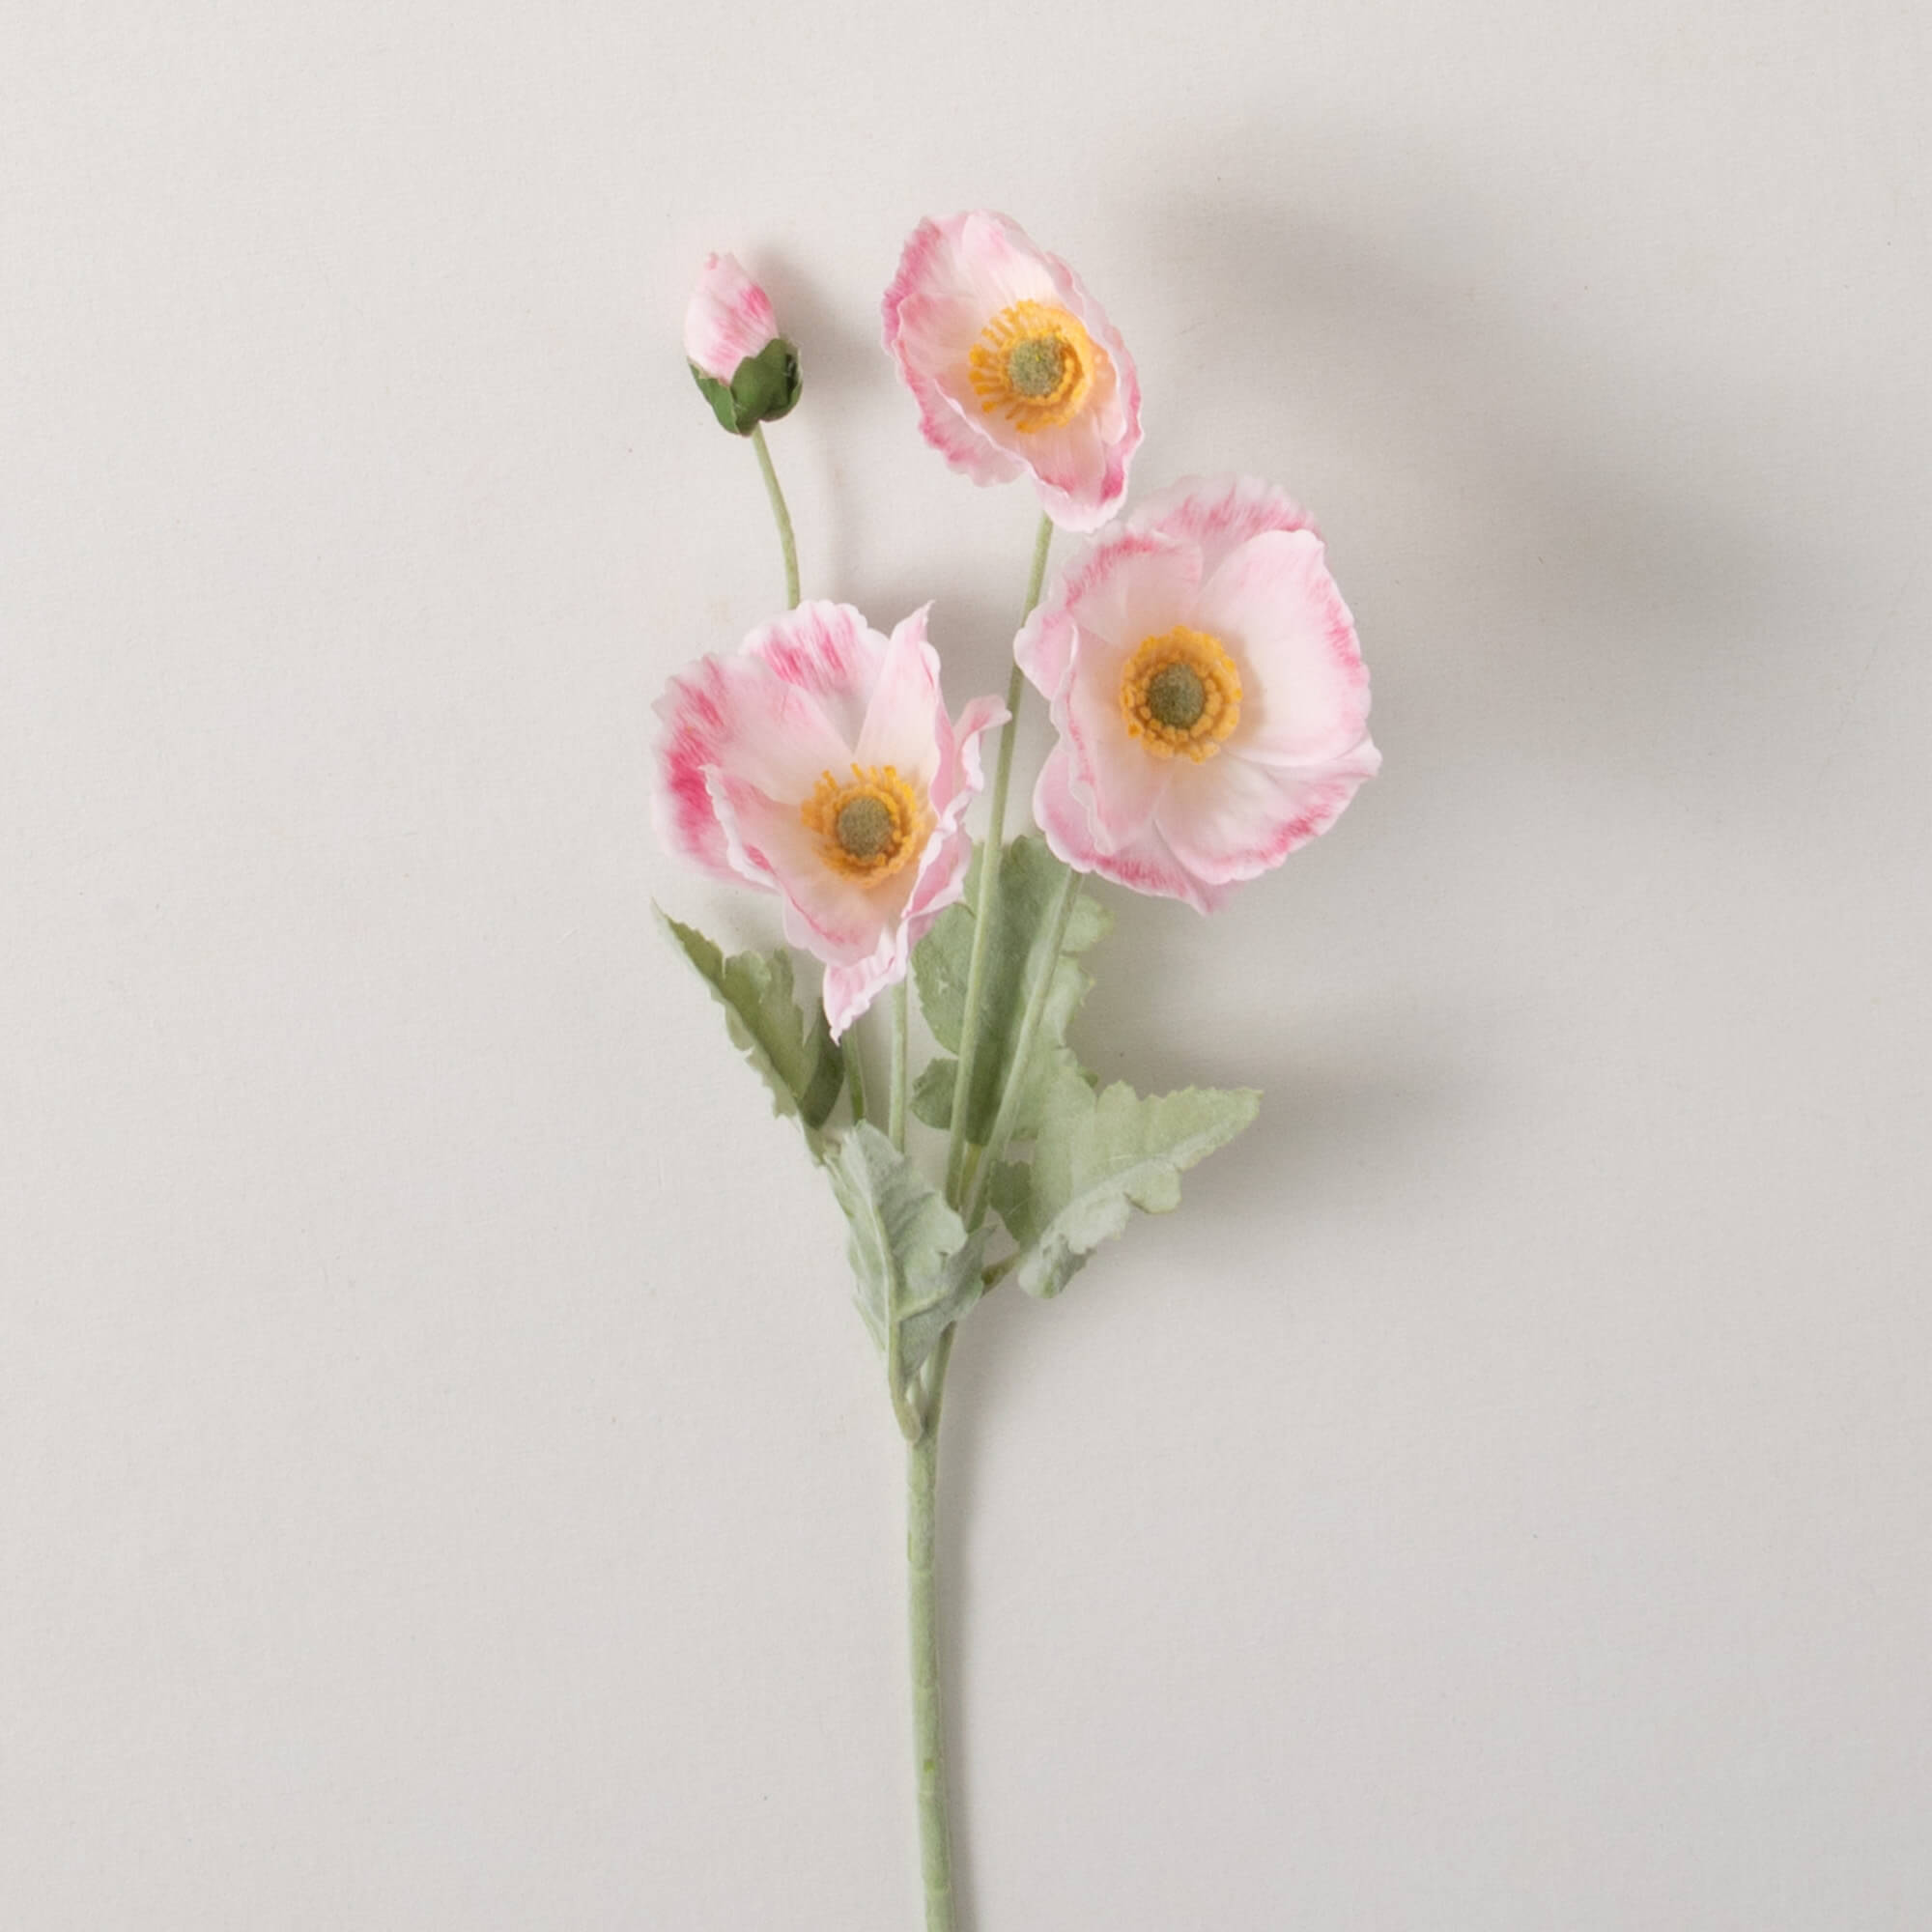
780,515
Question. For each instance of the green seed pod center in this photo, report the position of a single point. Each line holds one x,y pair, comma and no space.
863,827
1176,697
1034,366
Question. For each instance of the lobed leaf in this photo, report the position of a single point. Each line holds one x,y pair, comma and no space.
914,1264
794,1055
1098,1156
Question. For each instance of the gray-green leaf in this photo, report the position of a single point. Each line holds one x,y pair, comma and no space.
912,1262
1095,1158
795,1054
932,1093
1030,878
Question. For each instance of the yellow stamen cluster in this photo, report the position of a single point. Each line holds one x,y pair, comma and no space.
1181,691
869,826
1034,364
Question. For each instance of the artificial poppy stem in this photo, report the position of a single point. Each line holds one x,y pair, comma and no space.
1005,1120
897,1106
855,1076
935,1836
780,515
991,852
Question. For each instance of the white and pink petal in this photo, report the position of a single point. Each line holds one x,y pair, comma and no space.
953,277
1119,781
771,848
1304,688
695,708
933,315
1255,577
1244,819
747,739
995,256
732,712
961,774
1220,514
1122,588
905,707
730,318
849,990
829,651
938,879
1147,865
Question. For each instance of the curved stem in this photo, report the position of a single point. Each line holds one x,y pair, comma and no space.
898,1104
780,515
1036,1007
990,855
935,1838
855,1075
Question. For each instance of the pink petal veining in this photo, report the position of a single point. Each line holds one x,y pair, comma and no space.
728,318
1240,560
746,739
953,277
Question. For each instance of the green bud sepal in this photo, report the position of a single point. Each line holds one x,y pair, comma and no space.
766,386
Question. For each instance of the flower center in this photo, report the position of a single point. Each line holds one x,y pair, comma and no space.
1181,691
1176,695
864,826
869,827
1034,364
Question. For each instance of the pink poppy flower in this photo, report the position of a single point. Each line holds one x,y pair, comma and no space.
819,762
747,371
1016,368
1212,702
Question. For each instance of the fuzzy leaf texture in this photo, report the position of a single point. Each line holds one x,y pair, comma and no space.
1095,1158
1030,876
912,1262
794,1054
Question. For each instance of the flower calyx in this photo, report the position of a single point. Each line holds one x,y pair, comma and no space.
763,388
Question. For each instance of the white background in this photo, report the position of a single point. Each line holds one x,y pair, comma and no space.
442,1483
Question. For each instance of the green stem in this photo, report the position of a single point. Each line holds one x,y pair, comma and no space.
898,1099
1003,1121
905,1404
990,854
932,1389
855,1075
969,1171
935,1839
1042,542
780,515
905,1409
